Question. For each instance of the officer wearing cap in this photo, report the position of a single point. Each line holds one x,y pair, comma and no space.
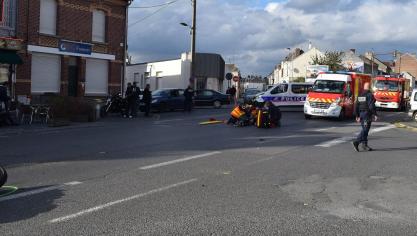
365,111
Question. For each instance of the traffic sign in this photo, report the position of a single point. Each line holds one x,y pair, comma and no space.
236,78
229,76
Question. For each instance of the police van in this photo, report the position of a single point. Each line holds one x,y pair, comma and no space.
286,94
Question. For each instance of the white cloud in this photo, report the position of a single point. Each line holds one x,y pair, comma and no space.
256,38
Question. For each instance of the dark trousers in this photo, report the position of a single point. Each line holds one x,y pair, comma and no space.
147,108
188,105
366,122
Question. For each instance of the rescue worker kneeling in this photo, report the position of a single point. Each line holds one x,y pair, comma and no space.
269,116
240,116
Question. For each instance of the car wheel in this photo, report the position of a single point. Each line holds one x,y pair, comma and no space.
217,104
3,176
342,115
307,117
415,116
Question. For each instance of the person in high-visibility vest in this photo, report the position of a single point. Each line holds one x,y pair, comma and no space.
238,115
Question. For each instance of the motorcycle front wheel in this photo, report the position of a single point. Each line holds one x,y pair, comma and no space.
3,176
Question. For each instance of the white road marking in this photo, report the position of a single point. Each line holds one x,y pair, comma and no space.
107,205
324,129
179,160
341,140
164,121
38,191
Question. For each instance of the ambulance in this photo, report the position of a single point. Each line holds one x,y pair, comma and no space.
391,92
334,94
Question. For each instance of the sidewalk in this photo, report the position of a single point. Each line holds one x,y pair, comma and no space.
408,124
37,127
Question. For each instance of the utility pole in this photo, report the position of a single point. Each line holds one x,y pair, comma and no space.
193,35
126,29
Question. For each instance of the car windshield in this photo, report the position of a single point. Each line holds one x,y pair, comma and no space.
159,92
386,85
252,92
329,86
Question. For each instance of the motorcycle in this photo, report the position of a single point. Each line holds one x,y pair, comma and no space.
3,176
115,104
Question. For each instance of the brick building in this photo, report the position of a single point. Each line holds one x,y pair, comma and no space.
406,63
9,44
72,47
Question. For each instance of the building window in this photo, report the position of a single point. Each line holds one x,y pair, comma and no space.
48,16
99,26
96,77
1,10
46,73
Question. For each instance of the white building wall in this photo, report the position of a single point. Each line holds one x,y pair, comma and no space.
291,70
164,74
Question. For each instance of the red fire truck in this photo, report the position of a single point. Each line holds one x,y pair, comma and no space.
334,94
391,92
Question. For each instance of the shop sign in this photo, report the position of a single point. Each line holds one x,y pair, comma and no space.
10,44
75,47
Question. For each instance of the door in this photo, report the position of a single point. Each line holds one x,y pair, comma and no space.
206,98
176,100
72,77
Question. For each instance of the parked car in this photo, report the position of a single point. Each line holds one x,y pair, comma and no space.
209,97
250,94
412,111
166,100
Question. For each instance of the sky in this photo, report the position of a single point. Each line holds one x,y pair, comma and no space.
255,34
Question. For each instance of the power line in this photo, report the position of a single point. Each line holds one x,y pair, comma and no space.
163,6
160,5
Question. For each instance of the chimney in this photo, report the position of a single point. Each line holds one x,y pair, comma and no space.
353,50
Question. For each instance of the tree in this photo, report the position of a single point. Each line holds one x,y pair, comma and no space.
331,59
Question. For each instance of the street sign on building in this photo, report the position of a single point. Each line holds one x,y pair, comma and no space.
75,47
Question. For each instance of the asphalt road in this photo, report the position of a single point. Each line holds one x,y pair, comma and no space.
167,175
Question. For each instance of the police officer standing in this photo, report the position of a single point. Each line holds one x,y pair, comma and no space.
365,111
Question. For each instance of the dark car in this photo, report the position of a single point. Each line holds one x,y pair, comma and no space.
166,100
250,94
208,97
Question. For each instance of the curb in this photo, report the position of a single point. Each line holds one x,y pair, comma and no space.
404,126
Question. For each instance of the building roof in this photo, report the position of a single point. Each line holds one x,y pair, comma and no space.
149,62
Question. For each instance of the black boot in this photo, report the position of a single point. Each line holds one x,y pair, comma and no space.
365,147
356,145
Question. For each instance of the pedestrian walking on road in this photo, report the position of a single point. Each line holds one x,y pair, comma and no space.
130,99
147,99
365,112
189,95
232,93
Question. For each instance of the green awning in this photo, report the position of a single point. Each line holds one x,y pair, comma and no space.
10,57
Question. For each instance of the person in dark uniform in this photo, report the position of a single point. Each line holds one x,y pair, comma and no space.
136,97
147,99
189,95
4,102
130,99
365,111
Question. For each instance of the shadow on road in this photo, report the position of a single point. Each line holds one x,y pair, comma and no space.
24,208
394,149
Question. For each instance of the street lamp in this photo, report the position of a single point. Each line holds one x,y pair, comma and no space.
193,34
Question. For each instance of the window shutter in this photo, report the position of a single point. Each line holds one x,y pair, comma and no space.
46,73
48,17
99,26
96,79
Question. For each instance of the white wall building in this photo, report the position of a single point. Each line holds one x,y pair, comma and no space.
297,68
209,73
